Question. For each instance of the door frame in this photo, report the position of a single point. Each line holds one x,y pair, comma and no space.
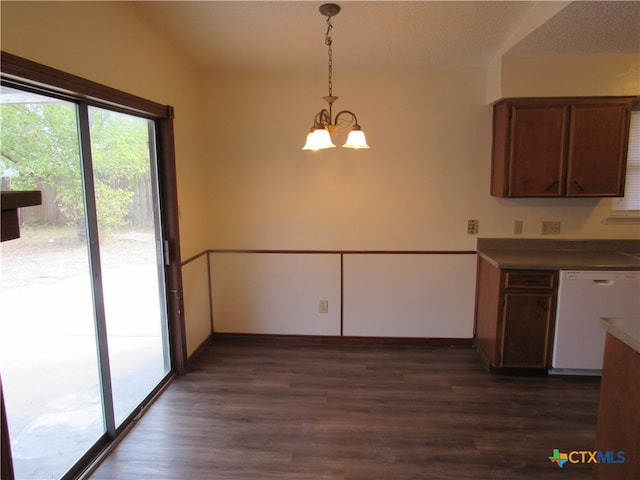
41,77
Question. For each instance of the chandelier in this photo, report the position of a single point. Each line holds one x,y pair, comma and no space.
324,124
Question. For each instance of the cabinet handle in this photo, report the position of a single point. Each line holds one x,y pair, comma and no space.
551,186
580,187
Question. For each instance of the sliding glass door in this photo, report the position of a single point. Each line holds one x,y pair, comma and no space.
130,255
83,329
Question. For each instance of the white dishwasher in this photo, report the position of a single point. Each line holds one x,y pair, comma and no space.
583,298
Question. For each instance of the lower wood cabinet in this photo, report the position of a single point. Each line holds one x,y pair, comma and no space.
515,316
618,427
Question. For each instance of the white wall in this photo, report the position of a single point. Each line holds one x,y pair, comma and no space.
196,302
426,174
428,296
429,133
276,293
578,75
383,295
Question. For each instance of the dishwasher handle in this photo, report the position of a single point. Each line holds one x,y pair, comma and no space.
604,282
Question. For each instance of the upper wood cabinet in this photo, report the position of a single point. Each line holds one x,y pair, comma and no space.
560,147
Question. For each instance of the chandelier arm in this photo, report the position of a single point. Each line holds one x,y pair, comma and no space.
325,116
355,119
322,119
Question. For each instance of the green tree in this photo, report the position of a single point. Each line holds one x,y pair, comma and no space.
39,147
120,152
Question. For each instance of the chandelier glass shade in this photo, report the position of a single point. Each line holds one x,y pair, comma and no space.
318,139
324,124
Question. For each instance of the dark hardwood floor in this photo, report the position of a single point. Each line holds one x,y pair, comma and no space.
264,409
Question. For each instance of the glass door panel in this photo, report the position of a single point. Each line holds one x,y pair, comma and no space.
48,355
123,154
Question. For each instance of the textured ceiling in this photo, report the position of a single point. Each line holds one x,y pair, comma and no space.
586,28
289,35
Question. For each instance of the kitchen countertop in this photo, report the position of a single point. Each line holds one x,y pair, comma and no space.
540,254
626,330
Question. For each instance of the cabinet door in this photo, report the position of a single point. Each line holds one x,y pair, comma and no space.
597,149
526,324
537,150
487,311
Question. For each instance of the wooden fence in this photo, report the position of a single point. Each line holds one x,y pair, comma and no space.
140,211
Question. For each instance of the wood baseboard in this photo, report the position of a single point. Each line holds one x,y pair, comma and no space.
198,352
218,338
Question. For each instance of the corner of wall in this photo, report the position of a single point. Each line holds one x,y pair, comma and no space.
494,80
537,15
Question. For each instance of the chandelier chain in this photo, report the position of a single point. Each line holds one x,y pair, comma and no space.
328,42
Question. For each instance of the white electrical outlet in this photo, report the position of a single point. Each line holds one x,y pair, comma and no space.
324,306
472,227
